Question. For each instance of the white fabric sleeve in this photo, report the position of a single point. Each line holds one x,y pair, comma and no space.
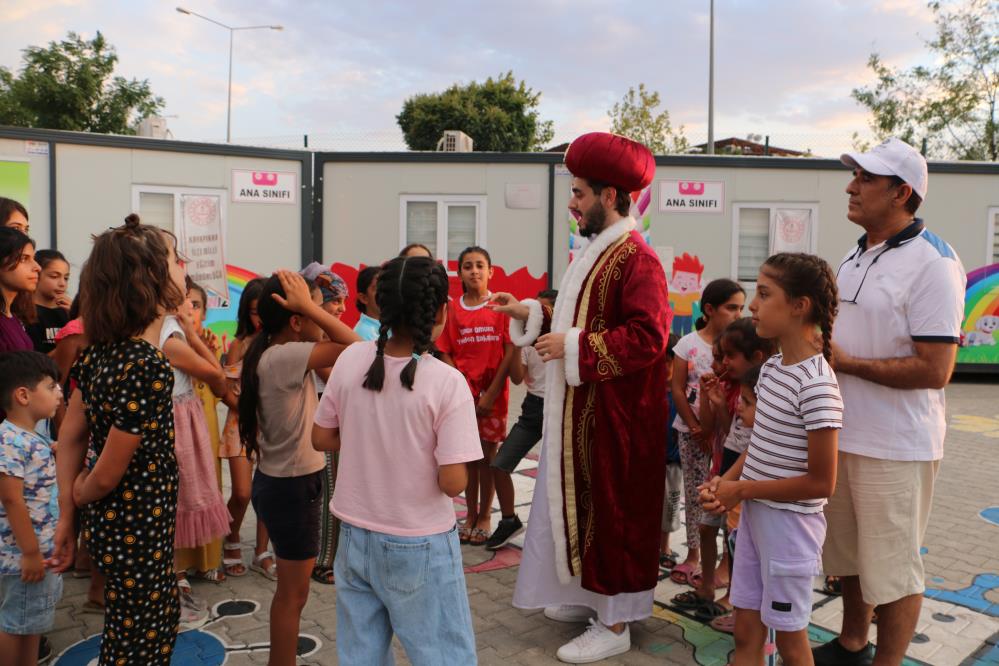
936,302
524,334
572,377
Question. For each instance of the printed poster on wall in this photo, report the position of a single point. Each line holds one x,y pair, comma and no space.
269,187
202,240
791,230
15,180
691,196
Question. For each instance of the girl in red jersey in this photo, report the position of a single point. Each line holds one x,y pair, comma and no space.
476,340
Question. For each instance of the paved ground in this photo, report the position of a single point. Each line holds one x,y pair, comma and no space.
960,623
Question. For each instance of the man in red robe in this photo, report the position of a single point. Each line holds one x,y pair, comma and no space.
592,545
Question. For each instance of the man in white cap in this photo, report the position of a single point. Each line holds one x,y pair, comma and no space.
895,343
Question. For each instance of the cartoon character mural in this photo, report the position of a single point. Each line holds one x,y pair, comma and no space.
685,286
981,319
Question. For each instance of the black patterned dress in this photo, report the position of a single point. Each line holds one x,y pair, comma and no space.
130,532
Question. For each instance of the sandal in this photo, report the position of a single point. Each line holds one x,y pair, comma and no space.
270,571
323,575
463,533
682,573
233,566
711,610
668,560
688,601
832,586
478,537
724,623
216,576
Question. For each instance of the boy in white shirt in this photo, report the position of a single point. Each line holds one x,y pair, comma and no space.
527,367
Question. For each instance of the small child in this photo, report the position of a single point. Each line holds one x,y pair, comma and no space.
367,285
528,367
51,302
404,424
721,304
277,404
29,392
789,470
476,341
674,475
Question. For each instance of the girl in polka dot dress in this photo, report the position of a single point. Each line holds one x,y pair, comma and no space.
128,500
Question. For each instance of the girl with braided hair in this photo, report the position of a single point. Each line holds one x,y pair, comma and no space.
789,470
277,402
404,425
476,341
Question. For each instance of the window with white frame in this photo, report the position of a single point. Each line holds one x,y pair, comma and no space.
762,229
446,224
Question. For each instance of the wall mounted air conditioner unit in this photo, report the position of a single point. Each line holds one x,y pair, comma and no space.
455,141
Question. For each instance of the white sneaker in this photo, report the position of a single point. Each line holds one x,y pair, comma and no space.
596,643
569,613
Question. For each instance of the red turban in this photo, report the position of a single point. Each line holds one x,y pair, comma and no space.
613,159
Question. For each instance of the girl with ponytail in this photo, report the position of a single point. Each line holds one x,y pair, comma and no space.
404,424
789,470
277,403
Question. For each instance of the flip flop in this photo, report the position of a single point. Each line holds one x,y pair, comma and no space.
323,575
711,610
463,534
724,623
668,561
478,537
682,572
688,601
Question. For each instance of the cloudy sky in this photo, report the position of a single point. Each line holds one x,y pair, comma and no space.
340,70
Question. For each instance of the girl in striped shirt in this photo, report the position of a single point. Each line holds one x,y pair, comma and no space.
789,469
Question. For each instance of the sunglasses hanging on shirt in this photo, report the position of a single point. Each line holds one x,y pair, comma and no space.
895,241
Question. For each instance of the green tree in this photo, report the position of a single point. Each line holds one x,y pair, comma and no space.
69,85
500,115
636,117
951,103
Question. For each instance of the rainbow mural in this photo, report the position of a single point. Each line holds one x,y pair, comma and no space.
981,318
222,321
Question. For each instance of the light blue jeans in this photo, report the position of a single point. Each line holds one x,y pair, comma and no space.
412,586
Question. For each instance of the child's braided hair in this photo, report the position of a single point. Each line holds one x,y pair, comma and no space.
807,276
410,292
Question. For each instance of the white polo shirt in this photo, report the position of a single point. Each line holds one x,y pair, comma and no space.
907,289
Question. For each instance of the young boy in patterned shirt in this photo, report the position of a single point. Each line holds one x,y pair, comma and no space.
29,392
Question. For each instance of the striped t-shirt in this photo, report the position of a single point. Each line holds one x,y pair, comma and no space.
790,401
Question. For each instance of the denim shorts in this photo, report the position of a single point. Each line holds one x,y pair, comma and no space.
28,609
289,507
526,432
412,587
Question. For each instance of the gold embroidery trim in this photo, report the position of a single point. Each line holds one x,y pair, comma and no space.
606,363
568,470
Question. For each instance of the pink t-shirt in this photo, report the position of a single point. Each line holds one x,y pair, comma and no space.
393,441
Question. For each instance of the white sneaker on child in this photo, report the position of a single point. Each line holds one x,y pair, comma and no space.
569,613
596,643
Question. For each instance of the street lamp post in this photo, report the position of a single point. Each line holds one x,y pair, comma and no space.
711,81
231,29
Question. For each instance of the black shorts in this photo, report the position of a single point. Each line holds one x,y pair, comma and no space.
526,432
289,508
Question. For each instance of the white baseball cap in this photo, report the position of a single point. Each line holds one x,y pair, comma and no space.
893,157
